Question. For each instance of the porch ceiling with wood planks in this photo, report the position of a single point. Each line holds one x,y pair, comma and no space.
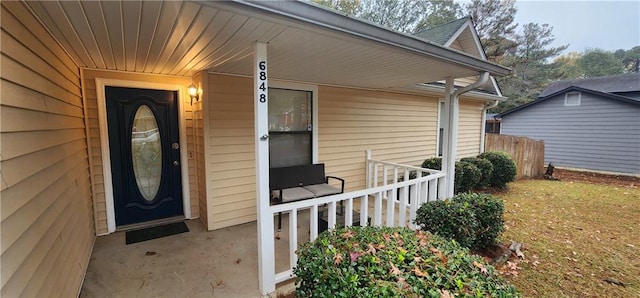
184,37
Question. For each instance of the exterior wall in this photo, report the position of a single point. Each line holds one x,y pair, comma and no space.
229,145
601,134
47,223
95,151
397,127
470,128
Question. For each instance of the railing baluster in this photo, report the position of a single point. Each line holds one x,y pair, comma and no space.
432,190
377,210
332,215
413,206
313,222
391,202
348,213
293,237
375,174
364,211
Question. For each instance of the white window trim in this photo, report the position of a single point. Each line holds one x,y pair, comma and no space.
566,99
314,109
101,83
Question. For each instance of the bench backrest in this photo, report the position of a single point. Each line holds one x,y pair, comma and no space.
294,176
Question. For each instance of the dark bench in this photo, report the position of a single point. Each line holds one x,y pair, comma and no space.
296,183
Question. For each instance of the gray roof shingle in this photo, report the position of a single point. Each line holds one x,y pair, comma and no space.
609,84
441,34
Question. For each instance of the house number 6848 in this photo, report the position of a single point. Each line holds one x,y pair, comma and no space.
262,75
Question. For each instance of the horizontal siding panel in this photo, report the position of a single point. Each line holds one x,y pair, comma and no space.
13,120
232,222
16,144
17,169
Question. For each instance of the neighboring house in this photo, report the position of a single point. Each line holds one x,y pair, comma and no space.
590,124
492,125
99,130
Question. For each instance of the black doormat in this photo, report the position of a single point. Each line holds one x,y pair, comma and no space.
156,232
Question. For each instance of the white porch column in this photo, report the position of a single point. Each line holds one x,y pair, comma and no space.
449,140
266,253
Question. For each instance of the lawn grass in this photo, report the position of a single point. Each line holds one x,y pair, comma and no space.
576,236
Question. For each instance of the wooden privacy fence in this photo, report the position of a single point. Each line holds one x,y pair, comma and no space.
527,153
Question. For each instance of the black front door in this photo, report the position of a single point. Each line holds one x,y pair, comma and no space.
145,154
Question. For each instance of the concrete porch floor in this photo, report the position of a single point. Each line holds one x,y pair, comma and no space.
199,263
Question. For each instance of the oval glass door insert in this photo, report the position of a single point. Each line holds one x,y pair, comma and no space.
146,152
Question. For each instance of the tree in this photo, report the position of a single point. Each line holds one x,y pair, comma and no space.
494,21
531,69
597,63
631,59
408,16
566,67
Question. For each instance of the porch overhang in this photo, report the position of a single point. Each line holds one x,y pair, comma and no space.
306,42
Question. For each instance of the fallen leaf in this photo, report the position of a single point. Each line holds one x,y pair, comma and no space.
535,263
419,272
348,234
371,249
445,294
150,253
337,259
439,254
355,255
394,270
482,268
402,282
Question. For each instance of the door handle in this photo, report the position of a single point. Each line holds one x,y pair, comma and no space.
176,163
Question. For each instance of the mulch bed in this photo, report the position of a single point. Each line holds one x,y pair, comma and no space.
575,176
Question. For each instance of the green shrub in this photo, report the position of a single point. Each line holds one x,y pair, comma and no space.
504,168
467,177
473,220
392,262
486,169
434,163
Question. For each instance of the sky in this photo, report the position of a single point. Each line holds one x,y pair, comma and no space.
608,25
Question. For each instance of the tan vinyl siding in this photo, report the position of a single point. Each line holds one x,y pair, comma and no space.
47,224
95,151
469,128
200,165
230,169
397,127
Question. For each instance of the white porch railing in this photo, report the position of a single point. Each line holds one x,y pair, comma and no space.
383,185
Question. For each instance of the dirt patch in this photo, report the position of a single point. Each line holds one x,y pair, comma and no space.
575,176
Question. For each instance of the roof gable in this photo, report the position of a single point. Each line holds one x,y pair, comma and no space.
569,89
462,36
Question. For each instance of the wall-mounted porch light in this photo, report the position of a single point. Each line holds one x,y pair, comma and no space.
193,93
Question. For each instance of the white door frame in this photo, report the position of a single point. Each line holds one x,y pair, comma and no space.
101,83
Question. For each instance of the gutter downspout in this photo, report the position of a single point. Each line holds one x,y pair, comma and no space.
448,164
484,122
